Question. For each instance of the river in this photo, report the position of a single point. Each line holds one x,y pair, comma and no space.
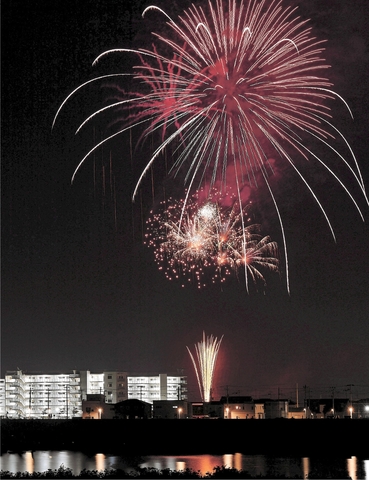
266,465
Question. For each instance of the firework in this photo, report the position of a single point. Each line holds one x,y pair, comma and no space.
241,81
181,243
232,86
199,241
206,355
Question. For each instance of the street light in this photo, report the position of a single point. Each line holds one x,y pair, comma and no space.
100,410
179,412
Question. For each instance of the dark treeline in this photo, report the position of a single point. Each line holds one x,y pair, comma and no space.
218,472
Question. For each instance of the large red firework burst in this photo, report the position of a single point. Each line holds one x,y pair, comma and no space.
243,80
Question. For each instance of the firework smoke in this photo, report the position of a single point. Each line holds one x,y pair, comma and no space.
206,355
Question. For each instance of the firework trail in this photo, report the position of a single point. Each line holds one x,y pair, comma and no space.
243,82
195,241
206,355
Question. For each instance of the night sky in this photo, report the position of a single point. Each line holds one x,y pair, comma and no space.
79,288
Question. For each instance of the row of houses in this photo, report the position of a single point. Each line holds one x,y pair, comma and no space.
235,407
241,407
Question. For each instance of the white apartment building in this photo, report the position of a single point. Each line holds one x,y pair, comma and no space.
157,387
119,386
91,383
113,385
2,398
40,395
50,395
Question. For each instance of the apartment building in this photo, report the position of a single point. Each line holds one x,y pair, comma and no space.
119,386
91,383
157,387
42,395
2,398
113,385
50,395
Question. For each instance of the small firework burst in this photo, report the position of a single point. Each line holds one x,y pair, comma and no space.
182,246
201,241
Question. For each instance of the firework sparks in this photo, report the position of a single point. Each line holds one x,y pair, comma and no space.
242,83
235,81
206,355
196,241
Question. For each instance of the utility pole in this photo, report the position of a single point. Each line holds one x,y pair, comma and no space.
351,385
48,401
66,399
227,404
309,398
350,409
333,389
140,387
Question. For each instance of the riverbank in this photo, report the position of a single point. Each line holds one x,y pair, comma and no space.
171,437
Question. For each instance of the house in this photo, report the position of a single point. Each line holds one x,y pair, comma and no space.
132,409
276,408
298,412
93,408
213,409
330,407
170,409
360,408
238,407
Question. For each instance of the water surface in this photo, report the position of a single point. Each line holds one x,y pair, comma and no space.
266,465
